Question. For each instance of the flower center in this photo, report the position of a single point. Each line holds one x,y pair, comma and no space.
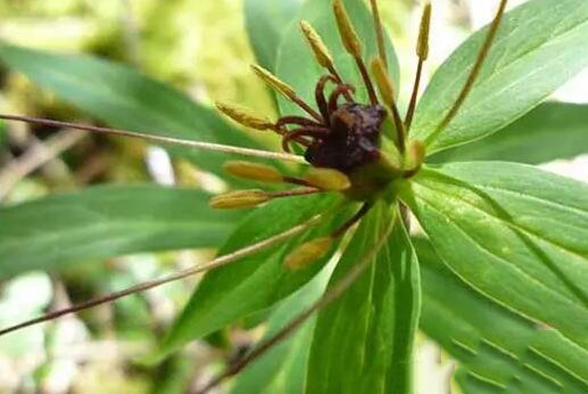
353,139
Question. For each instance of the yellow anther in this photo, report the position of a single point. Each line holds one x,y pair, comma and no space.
308,253
423,42
415,155
383,81
253,171
245,116
275,82
346,30
239,199
327,179
321,52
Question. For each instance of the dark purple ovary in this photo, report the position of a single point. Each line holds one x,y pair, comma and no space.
353,141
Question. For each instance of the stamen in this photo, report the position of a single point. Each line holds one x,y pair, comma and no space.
467,88
347,31
379,32
303,191
216,263
308,253
285,89
321,52
253,171
415,156
387,92
327,179
250,198
245,117
239,199
425,27
161,139
422,51
353,46
327,299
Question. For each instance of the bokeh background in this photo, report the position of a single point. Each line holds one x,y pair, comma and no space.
200,47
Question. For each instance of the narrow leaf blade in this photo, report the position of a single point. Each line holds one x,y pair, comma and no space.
550,132
283,368
363,343
540,46
101,222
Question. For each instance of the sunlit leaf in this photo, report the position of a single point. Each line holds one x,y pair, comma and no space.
491,342
256,282
364,342
540,45
513,232
266,20
296,63
101,222
125,98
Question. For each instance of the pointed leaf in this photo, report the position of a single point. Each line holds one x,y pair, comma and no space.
551,131
515,233
540,45
283,368
102,222
297,65
266,20
496,348
363,343
258,281
127,99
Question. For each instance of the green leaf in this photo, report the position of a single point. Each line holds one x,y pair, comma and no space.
540,46
498,350
513,232
127,99
266,20
256,282
283,368
297,65
364,342
101,222
551,131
